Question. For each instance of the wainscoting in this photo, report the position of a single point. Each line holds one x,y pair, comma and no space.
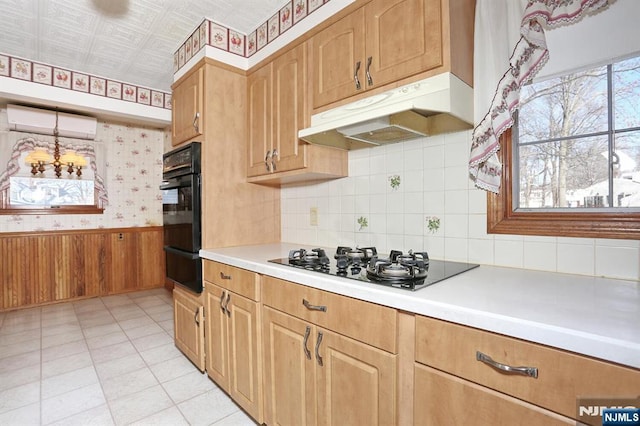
44,267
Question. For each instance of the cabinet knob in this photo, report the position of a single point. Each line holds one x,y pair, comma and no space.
274,155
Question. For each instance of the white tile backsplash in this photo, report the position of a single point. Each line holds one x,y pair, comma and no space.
434,183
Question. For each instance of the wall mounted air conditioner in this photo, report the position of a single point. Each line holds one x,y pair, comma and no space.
43,121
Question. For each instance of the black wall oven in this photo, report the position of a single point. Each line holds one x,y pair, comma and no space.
181,213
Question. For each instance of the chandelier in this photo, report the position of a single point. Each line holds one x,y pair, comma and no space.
40,157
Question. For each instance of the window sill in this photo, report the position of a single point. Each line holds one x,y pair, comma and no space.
15,210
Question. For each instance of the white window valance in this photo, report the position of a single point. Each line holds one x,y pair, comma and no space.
514,30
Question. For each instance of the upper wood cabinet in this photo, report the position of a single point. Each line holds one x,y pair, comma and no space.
277,104
389,40
187,108
277,109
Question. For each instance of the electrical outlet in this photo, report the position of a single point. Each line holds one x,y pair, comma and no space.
313,216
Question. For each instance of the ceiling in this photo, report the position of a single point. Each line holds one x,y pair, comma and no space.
128,40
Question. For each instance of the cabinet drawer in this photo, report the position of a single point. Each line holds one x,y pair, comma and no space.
367,322
443,399
562,376
240,281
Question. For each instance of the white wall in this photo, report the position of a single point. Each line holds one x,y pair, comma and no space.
434,182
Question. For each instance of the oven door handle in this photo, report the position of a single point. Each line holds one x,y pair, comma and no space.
182,253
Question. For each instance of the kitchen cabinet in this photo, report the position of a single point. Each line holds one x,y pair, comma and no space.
323,366
233,339
188,314
449,357
387,41
187,108
276,109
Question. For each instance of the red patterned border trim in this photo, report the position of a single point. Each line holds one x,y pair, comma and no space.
50,75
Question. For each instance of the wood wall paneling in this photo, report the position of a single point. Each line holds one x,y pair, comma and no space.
46,267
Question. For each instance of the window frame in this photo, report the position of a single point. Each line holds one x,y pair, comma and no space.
502,219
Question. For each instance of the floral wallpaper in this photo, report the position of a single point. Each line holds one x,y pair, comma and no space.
132,173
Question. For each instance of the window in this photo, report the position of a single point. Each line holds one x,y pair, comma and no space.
572,160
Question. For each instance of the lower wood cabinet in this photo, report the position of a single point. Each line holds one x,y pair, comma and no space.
233,337
317,376
188,325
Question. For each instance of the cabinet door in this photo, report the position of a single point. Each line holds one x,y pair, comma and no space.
245,367
403,38
188,327
259,120
444,399
289,379
216,332
336,51
187,108
356,382
289,108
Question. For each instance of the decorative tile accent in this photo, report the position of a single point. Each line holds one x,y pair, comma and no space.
98,86
286,18
314,4
144,96
114,89
262,35
42,74
62,78
217,35
20,69
167,100
80,82
129,93
236,43
4,65
273,28
299,10
157,99
252,46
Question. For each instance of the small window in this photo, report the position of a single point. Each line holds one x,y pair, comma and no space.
576,142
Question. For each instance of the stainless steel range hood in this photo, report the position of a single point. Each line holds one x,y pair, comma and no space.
428,107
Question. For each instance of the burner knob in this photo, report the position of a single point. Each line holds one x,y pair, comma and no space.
342,261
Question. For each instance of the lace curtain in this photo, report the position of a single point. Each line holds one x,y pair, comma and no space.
503,28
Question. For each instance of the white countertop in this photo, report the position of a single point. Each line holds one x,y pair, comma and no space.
593,316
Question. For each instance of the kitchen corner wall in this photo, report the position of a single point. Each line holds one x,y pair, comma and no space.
132,177
417,195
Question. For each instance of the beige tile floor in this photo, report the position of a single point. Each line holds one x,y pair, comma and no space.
104,361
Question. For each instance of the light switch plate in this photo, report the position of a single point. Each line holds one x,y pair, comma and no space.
313,216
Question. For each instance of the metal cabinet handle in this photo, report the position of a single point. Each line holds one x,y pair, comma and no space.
318,342
525,371
274,155
355,76
267,163
367,71
196,122
195,317
311,307
226,305
224,277
222,303
307,352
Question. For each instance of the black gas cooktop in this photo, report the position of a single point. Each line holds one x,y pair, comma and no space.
409,271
